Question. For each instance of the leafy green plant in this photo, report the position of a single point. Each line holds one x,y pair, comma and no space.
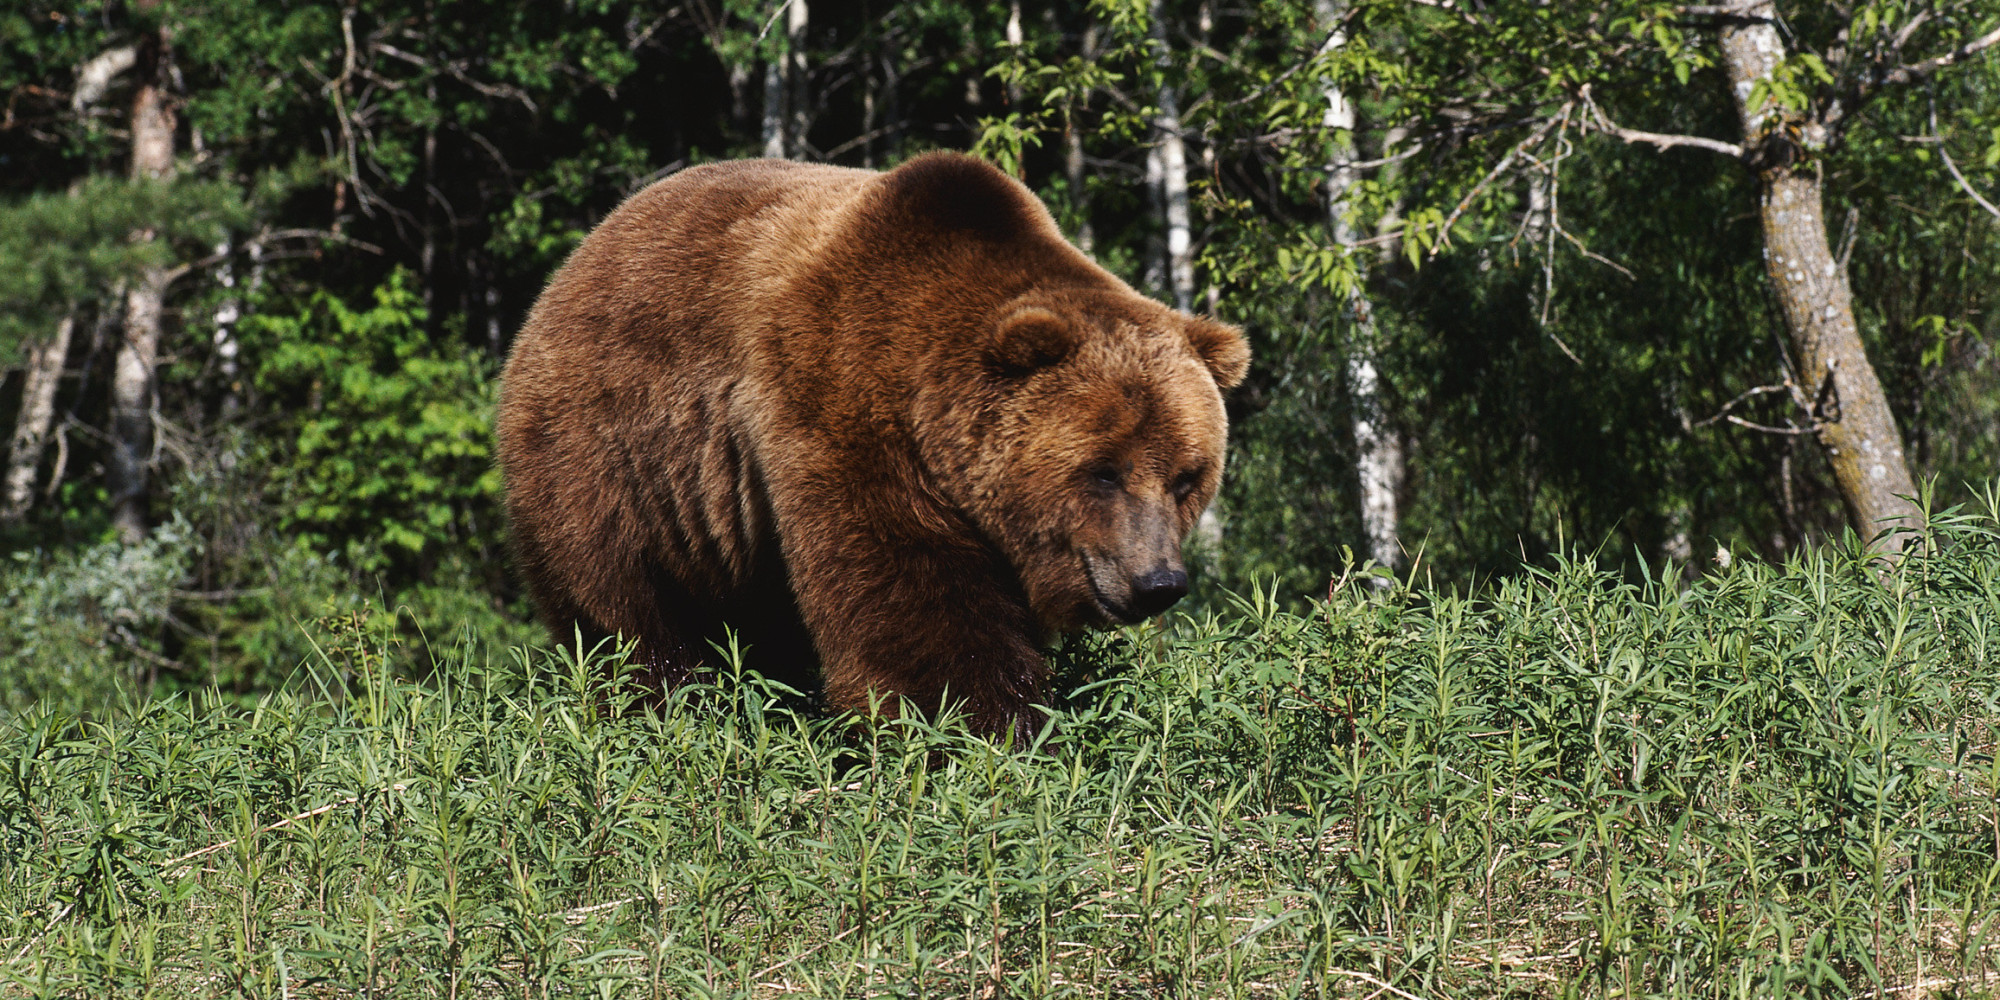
79,628
385,455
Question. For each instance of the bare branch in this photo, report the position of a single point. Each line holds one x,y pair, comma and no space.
1741,397
1847,236
502,91
1967,185
378,45
1768,429
1415,148
1919,70
774,19
1665,141
1594,255
1953,167
1903,36
273,236
279,825
1444,228
865,137
93,77
1823,409
1603,123
1737,9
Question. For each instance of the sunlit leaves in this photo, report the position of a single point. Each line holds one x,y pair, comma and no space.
390,456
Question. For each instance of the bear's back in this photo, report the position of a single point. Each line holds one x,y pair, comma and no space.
615,414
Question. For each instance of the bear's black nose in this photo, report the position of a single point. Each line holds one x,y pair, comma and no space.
1157,591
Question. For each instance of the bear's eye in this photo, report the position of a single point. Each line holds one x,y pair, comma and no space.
1105,477
1184,484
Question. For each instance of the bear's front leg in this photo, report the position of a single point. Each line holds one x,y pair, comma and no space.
896,610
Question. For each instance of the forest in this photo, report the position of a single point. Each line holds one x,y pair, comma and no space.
1667,284
1603,598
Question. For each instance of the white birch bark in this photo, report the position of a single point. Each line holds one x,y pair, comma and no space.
1086,235
795,79
95,76
1168,163
1014,37
774,109
38,411
228,313
1155,274
784,111
1173,171
1378,452
739,96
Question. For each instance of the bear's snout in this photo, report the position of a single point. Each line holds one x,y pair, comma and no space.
1157,590
1128,598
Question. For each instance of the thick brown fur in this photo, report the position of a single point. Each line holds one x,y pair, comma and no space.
889,423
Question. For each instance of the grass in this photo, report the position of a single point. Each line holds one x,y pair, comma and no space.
1771,781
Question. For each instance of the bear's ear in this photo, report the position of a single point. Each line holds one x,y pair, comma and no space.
1222,348
958,193
1030,339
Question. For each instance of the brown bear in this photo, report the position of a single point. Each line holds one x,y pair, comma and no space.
889,424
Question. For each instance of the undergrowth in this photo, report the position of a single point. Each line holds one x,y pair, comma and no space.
1770,781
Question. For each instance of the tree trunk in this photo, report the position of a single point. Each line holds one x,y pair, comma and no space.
1854,424
1378,451
1079,194
892,100
868,110
1169,162
132,375
1173,171
795,80
131,456
1154,276
1014,36
774,108
739,97
784,88
38,411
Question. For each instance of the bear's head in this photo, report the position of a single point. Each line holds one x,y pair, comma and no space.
1102,443
1076,423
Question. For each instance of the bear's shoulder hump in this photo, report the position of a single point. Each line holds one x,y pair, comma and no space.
952,192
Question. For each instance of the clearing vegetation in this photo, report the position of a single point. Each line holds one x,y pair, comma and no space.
1771,781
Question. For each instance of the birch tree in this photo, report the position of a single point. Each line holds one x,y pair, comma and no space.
1172,166
785,117
1378,453
37,416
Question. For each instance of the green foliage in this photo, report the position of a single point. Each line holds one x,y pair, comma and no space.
362,158
83,628
217,599
389,460
1927,254
1005,140
1774,781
